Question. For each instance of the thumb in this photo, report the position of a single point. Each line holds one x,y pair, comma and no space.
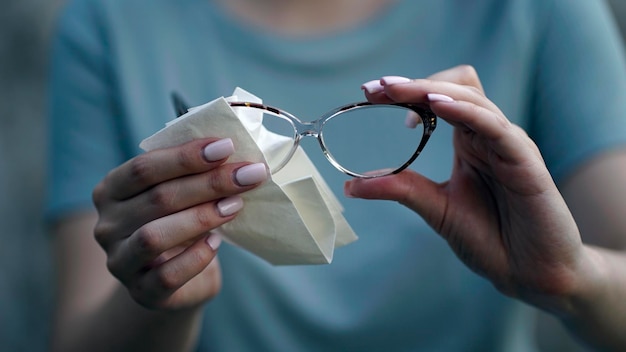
416,192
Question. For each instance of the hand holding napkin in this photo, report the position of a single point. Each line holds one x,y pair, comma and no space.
293,218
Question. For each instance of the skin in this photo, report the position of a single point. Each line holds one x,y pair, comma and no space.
304,18
155,213
499,201
504,217
139,283
500,212
155,305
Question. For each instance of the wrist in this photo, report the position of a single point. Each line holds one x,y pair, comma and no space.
154,329
593,275
571,291
597,312
590,276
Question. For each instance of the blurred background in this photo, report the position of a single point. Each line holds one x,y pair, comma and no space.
26,275
26,265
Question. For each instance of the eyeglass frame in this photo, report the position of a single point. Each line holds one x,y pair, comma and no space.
428,120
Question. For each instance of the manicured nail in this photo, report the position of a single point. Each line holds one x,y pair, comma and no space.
214,240
412,119
251,174
379,172
434,97
372,86
219,149
229,206
391,80
347,189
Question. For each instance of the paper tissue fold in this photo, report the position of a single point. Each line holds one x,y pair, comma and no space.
293,218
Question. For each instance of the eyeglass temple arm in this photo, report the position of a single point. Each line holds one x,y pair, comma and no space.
180,107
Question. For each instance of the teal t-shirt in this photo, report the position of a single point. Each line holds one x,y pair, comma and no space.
555,67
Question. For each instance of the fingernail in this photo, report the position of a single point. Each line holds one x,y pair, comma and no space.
219,149
214,240
391,80
229,206
412,119
347,189
251,174
379,172
373,86
434,97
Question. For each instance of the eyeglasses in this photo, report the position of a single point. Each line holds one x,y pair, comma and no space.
362,140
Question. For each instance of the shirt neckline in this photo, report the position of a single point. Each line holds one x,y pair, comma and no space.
344,46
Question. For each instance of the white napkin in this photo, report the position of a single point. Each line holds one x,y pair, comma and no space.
293,218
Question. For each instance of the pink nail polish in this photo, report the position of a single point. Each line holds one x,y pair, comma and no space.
373,86
229,206
214,240
434,97
251,174
347,190
391,80
412,119
219,149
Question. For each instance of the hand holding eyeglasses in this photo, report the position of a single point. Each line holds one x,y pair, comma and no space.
500,211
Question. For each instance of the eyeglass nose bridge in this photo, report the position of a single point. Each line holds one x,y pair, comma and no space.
302,129
308,128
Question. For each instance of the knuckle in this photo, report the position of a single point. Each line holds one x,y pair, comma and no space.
162,196
147,291
468,71
114,267
475,110
201,257
218,183
205,217
474,90
469,77
141,169
143,291
148,241
98,195
138,294
167,279
102,232
185,159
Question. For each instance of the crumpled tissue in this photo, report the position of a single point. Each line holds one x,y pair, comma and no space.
293,218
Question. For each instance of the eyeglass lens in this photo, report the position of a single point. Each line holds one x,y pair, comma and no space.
370,140
361,140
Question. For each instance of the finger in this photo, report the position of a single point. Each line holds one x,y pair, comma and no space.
417,91
162,280
409,188
178,194
151,168
375,92
403,90
463,74
503,137
464,106
146,244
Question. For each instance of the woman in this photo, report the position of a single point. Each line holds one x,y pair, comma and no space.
556,70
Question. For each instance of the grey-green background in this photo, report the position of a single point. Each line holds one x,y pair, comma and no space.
26,264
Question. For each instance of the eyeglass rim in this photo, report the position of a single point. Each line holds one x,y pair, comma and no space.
428,117
429,121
